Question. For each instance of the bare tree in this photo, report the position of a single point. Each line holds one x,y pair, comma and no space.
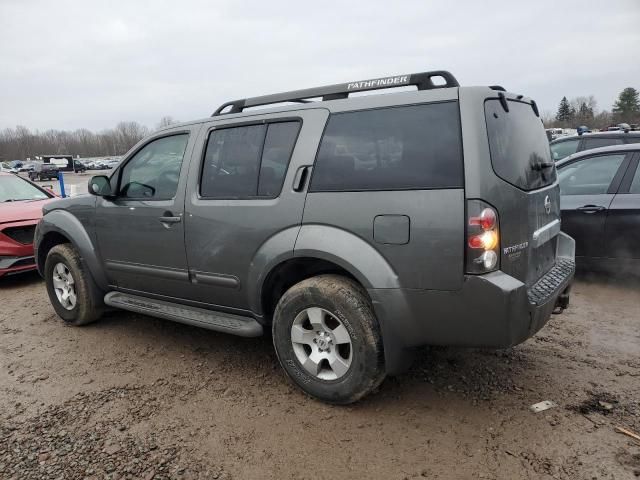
21,143
166,121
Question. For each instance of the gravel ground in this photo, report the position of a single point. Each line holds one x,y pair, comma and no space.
136,397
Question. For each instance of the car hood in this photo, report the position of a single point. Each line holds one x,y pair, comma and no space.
23,210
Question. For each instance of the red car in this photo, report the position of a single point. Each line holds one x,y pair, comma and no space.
20,210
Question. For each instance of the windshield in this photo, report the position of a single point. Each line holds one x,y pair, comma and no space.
13,189
519,147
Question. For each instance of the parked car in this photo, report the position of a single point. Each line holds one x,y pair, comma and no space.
43,171
111,163
279,219
600,201
79,167
5,167
99,165
21,205
28,167
565,146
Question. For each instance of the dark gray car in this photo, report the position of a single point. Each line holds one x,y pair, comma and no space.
565,146
355,228
600,201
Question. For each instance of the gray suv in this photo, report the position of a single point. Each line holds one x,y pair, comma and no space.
355,228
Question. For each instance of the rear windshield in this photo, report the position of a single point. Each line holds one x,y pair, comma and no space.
519,147
49,167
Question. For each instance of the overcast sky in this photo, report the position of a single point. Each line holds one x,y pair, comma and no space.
67,64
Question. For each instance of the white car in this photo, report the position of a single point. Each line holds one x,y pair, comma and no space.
5,167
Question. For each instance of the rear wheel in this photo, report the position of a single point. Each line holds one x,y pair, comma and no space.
72,291
328,340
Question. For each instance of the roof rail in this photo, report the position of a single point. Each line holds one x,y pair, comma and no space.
342,90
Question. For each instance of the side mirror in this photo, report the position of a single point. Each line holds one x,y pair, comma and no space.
100,186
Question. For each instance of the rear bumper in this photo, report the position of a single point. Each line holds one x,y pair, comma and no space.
492,310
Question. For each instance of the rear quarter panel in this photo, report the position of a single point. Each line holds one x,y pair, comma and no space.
434,255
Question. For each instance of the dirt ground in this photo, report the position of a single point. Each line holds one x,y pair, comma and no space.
137,397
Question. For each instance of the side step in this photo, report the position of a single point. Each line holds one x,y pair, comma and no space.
198,317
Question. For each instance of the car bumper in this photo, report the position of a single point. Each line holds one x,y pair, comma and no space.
15,256
11,265
491,310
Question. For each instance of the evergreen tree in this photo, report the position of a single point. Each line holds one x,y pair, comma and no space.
564,111
585,114
627,107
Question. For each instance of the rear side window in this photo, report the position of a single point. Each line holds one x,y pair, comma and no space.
278,146
591,176
590,143
564,149
400,148
249,161
519,147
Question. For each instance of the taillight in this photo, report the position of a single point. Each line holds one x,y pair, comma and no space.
483,237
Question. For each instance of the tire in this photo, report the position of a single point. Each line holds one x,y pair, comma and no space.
86,304
334,306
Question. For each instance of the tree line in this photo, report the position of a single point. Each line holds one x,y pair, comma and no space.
21,143
583,111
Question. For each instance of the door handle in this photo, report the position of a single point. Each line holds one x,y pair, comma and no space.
168,219
591,208
300,179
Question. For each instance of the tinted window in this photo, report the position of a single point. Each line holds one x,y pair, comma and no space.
633,139
635,184
232,161
153,172
278,146
591,176
415,147
519,147
564,149
590,143
247,161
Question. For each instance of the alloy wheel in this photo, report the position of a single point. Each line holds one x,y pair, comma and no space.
64,286
321,343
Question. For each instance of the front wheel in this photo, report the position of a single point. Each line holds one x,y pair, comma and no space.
328,340
72,291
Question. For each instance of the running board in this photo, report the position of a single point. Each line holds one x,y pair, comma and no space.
198,317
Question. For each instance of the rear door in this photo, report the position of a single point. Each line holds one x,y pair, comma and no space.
622,229
244,191
587,188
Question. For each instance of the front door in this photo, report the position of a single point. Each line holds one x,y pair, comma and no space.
246,194
587,187
140,231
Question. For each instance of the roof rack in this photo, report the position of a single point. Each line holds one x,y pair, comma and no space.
342,90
